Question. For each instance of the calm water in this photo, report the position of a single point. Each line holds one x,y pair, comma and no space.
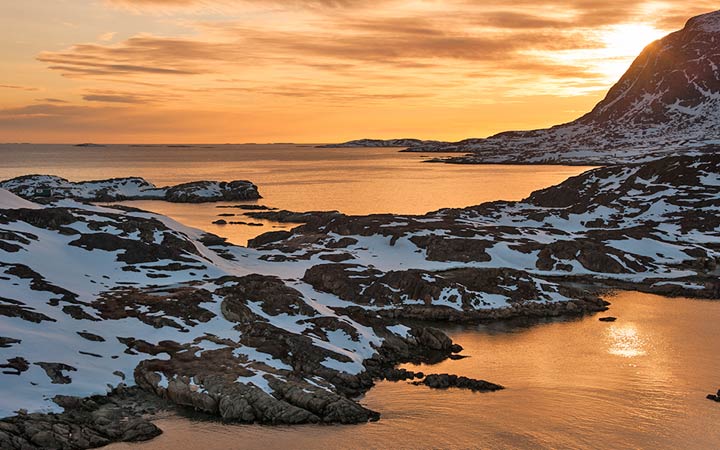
298,178
637,383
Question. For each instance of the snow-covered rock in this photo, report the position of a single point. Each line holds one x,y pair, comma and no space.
116,189
92,297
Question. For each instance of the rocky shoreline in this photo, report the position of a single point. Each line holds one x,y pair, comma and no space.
294,328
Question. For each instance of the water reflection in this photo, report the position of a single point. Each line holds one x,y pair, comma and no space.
625,340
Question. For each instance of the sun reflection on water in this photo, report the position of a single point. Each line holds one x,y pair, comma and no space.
626,341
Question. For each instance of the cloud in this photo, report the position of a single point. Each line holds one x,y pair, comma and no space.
51,100
19,88
107,37
138,55
110,98
412,43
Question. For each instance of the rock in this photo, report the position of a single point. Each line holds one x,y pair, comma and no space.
607,319
248,207
269,237
6,342
714,397
85,423
91,337
55,372
43,187
17,366
445,381
372,143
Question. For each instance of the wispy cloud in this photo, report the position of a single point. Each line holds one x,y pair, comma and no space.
19,88
261,59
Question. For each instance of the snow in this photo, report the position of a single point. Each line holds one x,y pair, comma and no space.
400,330
658,250
8,200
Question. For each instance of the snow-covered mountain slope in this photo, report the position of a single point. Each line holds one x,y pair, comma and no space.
668,101
117,189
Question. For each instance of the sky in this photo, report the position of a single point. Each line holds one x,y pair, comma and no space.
216,71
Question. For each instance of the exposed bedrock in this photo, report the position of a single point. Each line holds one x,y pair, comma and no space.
86,423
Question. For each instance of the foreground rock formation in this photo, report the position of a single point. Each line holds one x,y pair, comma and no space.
293,329
44,187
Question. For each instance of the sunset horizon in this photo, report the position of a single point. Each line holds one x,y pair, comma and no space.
216,71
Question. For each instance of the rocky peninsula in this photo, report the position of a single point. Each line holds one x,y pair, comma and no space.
48,187
294,328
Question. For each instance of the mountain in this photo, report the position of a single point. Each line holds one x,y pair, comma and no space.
669,99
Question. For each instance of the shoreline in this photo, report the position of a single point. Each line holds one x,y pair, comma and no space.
325,321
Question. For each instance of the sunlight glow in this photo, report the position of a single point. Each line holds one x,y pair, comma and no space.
618,46
628,40
626,341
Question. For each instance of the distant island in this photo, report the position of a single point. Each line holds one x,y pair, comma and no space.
90,144
368,143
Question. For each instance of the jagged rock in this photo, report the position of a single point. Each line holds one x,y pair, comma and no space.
7,342
86,423
714,397
17,366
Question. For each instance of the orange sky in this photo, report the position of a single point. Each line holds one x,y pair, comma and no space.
215,71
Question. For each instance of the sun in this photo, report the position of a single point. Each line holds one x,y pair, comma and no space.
628,39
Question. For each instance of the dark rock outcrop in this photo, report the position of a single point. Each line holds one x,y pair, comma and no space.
86,423
445,381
